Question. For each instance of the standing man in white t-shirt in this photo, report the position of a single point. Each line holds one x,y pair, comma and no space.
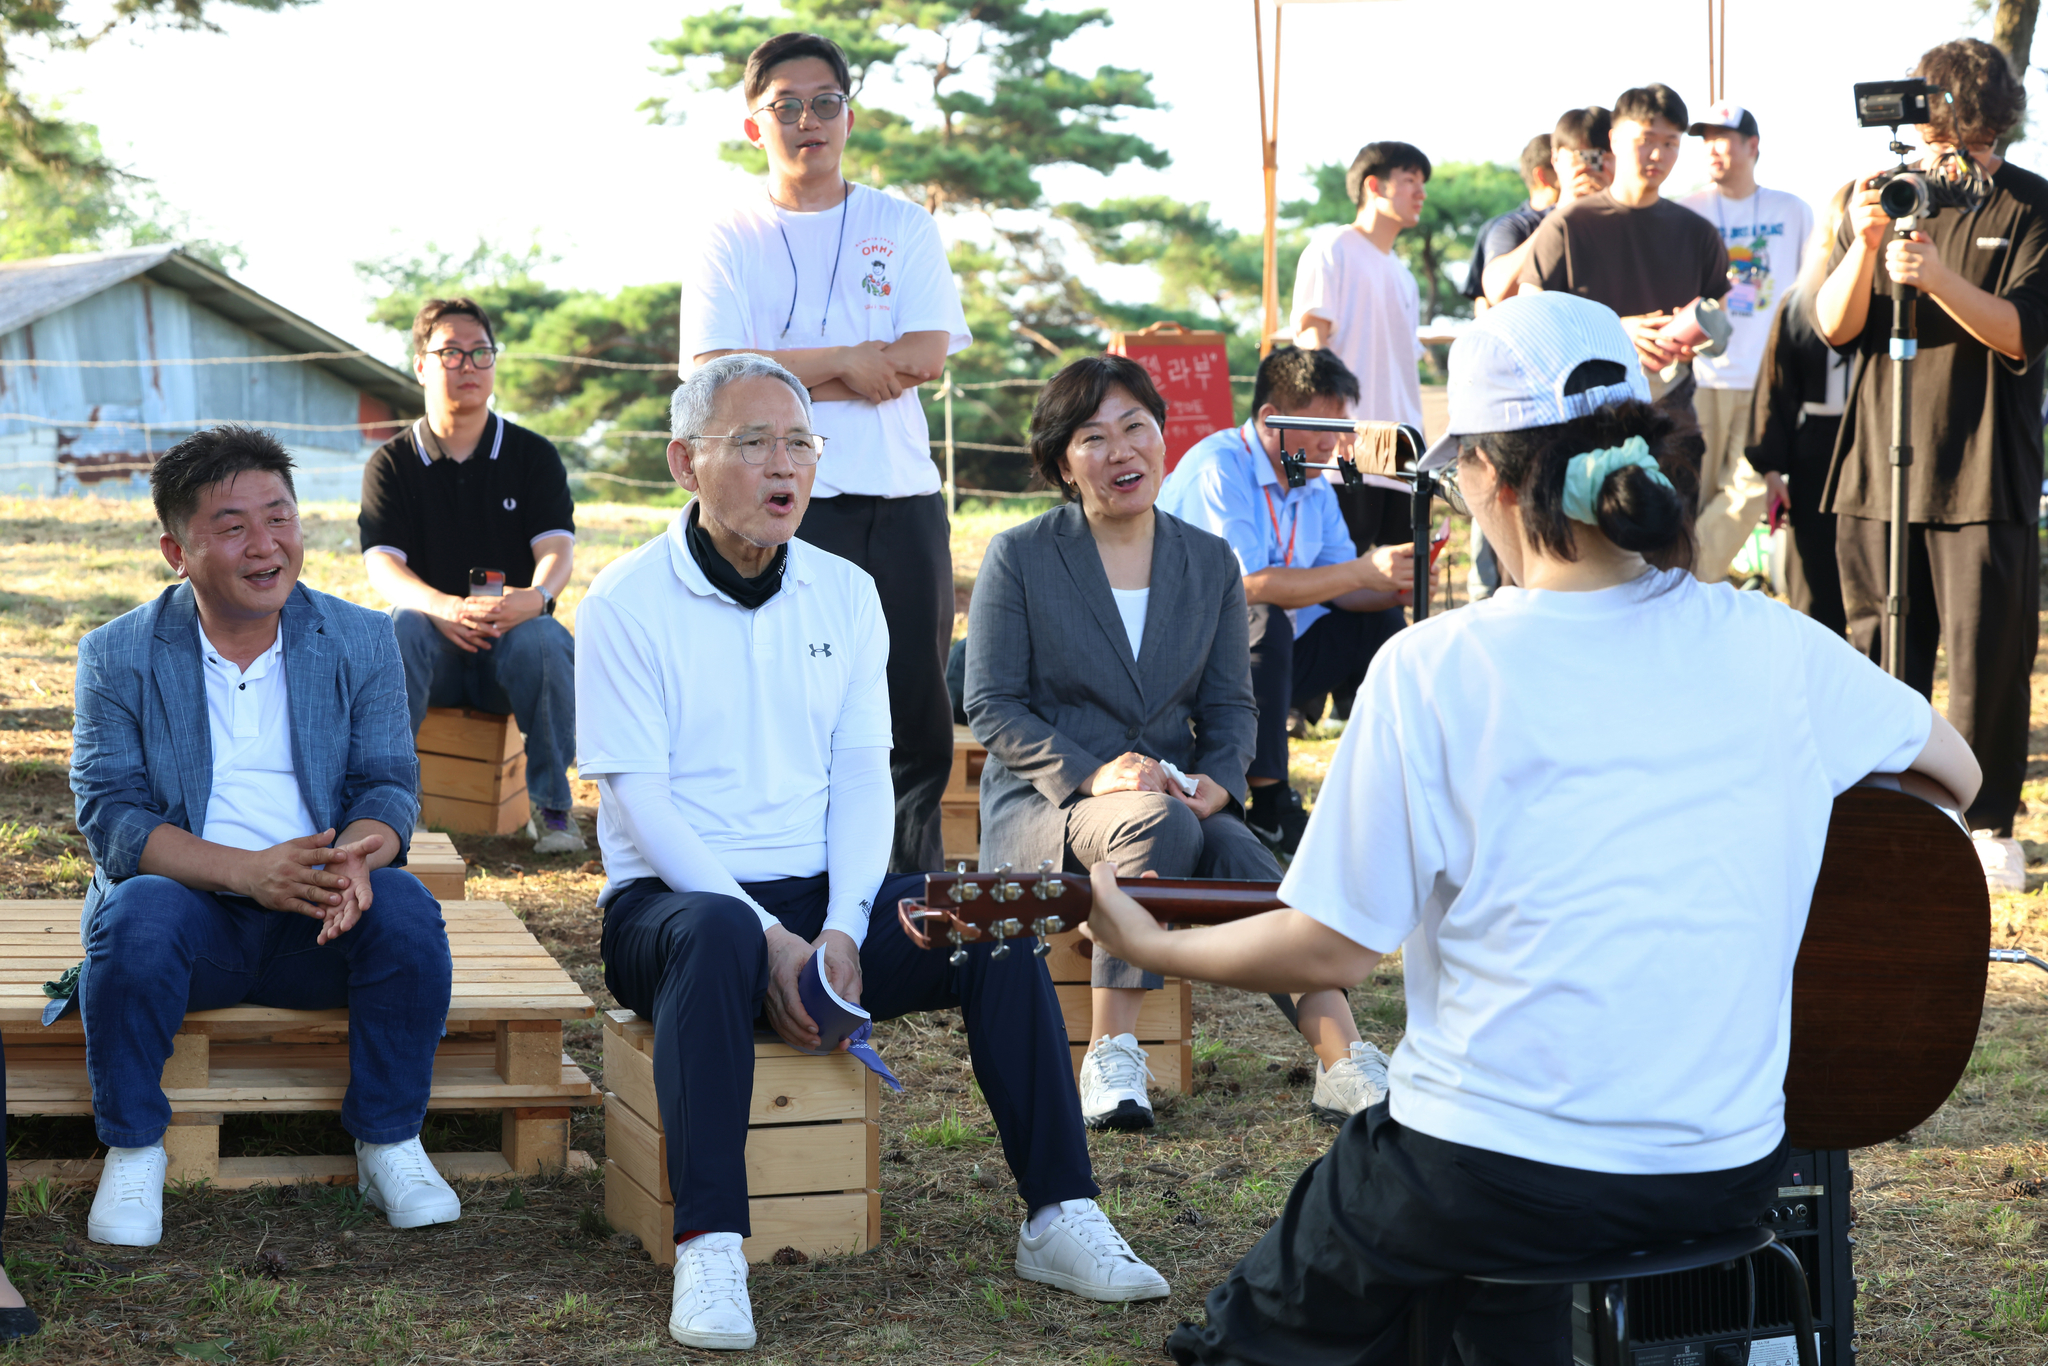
1765,232
849,288
1355,297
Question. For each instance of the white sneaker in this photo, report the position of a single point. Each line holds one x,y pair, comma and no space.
554,832
128,1208
1113,1078
1357,1083
2004,860
1082,1252
398,1179
709,1306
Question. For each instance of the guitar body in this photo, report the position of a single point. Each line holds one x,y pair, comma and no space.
1887,991
1889,987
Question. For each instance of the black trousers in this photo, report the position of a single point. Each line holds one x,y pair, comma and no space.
1390,1215
695,964
1332,656
1272,664
1975,590
3,1147
1813,576
906,545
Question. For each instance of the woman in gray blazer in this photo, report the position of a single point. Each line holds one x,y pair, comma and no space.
1108,675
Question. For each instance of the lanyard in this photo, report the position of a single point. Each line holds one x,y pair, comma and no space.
1293,524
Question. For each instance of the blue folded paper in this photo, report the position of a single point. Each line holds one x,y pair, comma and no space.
838,1019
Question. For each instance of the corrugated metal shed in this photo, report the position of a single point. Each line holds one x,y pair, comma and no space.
67,424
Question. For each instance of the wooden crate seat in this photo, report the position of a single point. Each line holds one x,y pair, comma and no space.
433,860
503,1052
472,771
814,1155
1166,1028
960,804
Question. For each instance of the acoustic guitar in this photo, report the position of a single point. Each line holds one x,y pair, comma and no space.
1887,992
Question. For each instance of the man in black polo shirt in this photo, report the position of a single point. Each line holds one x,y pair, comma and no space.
465,490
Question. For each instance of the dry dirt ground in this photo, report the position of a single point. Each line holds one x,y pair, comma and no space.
1951,1248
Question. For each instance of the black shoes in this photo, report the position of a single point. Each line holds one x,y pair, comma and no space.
19,1323
1277,817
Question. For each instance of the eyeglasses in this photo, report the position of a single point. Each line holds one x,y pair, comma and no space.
790,108
755,447
482,357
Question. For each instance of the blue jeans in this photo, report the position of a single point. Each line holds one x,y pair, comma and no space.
696,964
530,672
156,949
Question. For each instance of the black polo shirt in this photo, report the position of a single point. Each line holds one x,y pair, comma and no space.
448,517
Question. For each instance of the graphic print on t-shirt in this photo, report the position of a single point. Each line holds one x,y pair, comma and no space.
875,254
1751,286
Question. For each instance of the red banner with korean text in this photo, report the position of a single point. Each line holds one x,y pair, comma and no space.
1192,375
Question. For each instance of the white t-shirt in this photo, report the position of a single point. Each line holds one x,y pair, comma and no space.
1596,820
1130,605
255,800
742,710
892,278
1371,297
1766,238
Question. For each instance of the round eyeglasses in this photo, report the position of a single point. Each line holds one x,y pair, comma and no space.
482,357
790,108
755,447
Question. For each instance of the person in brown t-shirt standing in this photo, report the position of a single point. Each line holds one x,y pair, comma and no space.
1640,254
1973,580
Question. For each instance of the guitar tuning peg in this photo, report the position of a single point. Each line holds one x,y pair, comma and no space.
1000,951
958,958
1040,949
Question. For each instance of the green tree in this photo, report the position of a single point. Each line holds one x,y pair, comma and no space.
1462,196
58,191
1001,108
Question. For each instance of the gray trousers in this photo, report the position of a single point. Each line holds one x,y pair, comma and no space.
1150,832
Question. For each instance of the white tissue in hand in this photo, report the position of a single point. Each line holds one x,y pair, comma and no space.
1187,784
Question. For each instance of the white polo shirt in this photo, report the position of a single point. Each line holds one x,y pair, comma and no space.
255,802
742,710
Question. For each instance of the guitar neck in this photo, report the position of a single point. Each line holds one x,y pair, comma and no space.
1200,901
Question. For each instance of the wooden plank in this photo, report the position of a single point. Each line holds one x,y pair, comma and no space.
1069,957
1166,1014
1172,1063
468,734
782,1159
472,780
527,1051
789,1087
816,1225
479,818
240,1173
441,871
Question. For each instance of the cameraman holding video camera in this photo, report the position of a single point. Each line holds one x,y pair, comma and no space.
1972,580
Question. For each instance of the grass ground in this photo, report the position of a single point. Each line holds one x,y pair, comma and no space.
1951,1245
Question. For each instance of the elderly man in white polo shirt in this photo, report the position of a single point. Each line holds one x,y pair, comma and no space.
732,704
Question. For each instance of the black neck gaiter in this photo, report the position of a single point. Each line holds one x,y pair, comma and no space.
748,593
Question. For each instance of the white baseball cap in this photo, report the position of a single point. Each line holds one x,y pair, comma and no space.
1509,369
1725,115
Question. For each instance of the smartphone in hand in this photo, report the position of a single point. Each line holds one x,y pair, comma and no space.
487,583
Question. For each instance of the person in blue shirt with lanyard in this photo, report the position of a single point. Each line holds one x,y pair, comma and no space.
1299,563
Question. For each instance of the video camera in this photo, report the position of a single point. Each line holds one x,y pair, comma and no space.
1953,182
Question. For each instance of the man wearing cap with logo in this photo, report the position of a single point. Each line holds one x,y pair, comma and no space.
1765,232
1598,969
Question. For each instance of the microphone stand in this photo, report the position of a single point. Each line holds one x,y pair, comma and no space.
1905,346
1421,487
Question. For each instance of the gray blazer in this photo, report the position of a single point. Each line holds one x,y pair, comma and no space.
1052,689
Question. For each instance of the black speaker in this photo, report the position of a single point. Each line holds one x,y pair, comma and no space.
1703,1318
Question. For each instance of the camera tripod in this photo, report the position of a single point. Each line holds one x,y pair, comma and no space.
1905,345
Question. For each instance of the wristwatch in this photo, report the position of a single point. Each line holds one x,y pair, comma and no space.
547,600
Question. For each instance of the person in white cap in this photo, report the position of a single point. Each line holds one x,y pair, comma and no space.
1765,232
1591,810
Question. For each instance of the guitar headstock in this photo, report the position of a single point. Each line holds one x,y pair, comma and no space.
962,908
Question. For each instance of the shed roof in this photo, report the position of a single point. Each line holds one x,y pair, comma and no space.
34,289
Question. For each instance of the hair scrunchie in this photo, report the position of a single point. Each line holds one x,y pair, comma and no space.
1585,475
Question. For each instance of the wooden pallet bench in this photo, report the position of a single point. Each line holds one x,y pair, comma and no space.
472,771
503,1052
814,1155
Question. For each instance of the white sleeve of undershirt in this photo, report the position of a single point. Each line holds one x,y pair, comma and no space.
677,853
859,825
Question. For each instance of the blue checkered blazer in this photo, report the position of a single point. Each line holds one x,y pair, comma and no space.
142,751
